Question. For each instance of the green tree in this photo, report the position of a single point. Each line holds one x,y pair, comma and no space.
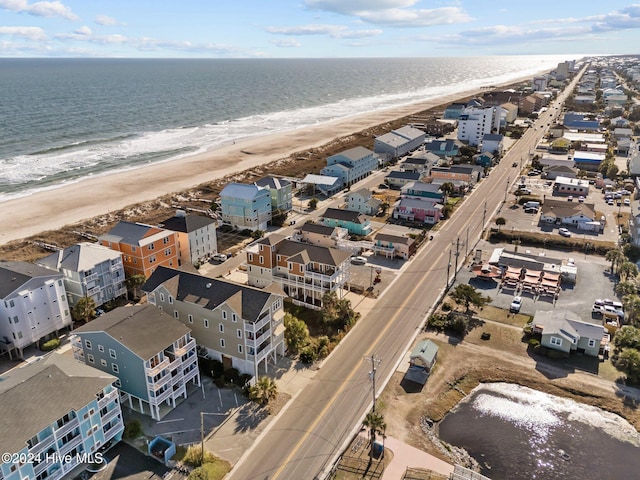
612,171
296,333
616,257
313,204
257,234
465,294
447,188
500,222
264,390
628,362
626,288
632,308
627,337
134,281
628,270
337,311
84,310
374,421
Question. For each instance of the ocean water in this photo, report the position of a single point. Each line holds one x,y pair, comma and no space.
515,432
64,119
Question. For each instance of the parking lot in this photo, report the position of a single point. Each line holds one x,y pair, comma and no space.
593,281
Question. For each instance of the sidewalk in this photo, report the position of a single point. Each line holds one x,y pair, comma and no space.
407,456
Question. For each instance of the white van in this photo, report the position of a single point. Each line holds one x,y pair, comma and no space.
532,205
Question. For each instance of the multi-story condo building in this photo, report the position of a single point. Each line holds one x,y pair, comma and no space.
281,192
152,355
33,305
197,240
399,142
351,165
143,247
474,123
56,415
90,270
305,272
241,326
245,206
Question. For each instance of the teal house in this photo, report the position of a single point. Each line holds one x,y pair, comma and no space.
356,223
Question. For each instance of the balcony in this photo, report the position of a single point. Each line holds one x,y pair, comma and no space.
121,291
163,396
38,468
160,382
108,398
42,445
255,327
90,278
113,431
259,339
110,415
115,267
191,344
153,371
94,291
71,444
66,428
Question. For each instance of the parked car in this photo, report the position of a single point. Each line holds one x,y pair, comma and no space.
610,201
358,260
581,199
515,305
383,186
524,191
219,257
627,202
530,210
570,198
564,232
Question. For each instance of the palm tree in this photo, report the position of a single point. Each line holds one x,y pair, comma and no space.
626,288
84,309
628,270
616,256
374,421
135,281
632,307
500,222
447,188
264,390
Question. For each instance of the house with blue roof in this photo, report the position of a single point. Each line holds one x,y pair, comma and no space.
245,206
351,165
580,121
443,148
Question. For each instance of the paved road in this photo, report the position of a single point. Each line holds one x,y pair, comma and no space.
307,436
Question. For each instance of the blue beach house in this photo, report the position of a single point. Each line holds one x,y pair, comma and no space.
245,206
351,165
356,223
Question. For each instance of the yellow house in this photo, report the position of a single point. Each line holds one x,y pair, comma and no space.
561,144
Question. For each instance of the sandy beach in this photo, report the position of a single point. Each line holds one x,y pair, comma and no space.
54,208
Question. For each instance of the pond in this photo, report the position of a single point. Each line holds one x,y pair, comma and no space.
515,432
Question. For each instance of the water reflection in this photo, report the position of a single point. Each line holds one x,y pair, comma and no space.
515,432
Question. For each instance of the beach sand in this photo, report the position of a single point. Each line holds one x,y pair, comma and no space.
68,204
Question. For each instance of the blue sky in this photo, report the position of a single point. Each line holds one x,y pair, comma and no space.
315,28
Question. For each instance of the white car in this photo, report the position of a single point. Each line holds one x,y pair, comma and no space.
219,257
358,260
627,202
515,305
564,232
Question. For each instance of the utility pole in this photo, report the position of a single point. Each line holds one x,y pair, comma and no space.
372,375
484,215
455,272
449,267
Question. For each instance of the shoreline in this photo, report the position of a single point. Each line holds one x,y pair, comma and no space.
56,207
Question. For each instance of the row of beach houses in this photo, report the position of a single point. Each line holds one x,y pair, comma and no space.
146,356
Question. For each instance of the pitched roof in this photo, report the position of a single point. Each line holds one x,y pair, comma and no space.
355,153
36,395
317,228
422,187
143,329
209,293
384,237
305,253
133,233
80,257
242,190
562,209
14,275
567,324
426,350
273,183
345,215
404,175
187,223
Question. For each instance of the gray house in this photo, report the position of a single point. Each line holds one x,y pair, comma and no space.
563,330
151,353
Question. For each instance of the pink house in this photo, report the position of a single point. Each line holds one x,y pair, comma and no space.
418,210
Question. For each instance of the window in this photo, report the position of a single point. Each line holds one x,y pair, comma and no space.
117,383
556,341
152,258
167,252
100,348
112,353
133,249
592,342
251,257
90,358
114,367
176,314
221,327
87,344
222,343
165,240
234,318
277,304
224,315
162,297
103,362
239,348
206,323
239,333
151,246
170,299
190,318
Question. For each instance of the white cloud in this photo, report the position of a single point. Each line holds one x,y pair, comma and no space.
396,13
40,9
84,30
106,20
286,43
31,33
333,31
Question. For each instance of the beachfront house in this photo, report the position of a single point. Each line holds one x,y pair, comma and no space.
90,270
238,325
197,240
55,414
565,331
399,142
355,222
351,165
321,235
150,352
33,306
303,272
143,247
454,110
474,123
245,206
363,201
281,191
394,246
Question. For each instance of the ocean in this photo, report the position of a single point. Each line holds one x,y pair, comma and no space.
515,432
62,120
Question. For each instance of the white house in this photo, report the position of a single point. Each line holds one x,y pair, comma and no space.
474,123
362,201
90,270
492,143
33,305
197,240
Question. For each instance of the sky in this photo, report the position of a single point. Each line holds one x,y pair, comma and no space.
315,28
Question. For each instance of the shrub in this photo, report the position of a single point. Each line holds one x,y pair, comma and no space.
193,456
446,306
50,345
533,342
437,321
232,375
308,354
133,429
